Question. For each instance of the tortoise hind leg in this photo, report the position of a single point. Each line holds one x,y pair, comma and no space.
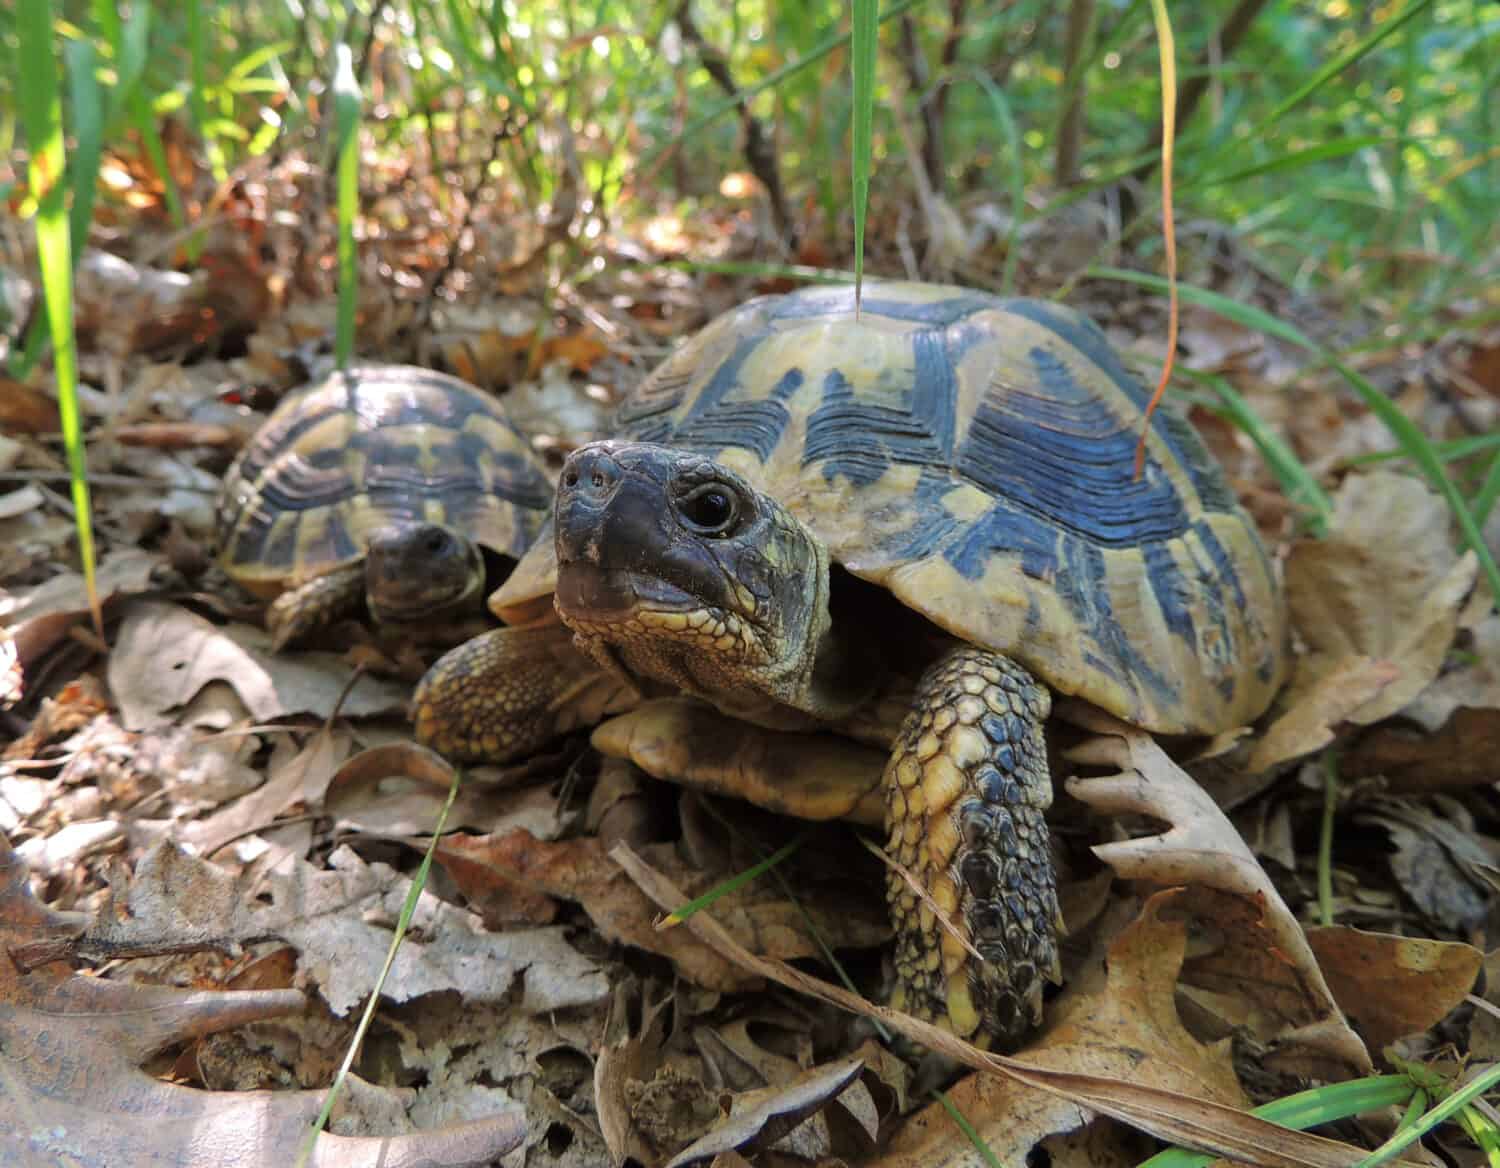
316,603
966,788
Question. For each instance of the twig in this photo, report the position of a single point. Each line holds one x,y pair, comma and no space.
933,102
1075,70
760,151
507,130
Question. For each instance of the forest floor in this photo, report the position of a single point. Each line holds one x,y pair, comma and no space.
207,844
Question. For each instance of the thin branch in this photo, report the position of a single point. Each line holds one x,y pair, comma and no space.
1070,126
760,150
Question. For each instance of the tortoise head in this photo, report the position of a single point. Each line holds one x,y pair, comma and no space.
421,572
680,571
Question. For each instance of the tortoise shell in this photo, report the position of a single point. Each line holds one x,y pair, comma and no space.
374,446
975,456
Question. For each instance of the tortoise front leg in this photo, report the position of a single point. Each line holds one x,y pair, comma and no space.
507,692
966,790
316,603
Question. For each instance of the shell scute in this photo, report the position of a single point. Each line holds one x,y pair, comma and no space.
374,446
975,456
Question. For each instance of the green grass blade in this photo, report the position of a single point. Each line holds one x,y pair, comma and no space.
862,61
1336,66
398,935
198,91
1408,435
732,883
1309,1109
83,174
88,138
346,101
1297,482
1297,159
40,102
1450,1106
1489,491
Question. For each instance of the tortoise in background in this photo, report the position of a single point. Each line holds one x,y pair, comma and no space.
904,530
379,488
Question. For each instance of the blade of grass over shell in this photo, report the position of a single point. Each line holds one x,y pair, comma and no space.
40,102
1167,49
862,63
1407,433
1297,482
403,922
1309,1109
346,149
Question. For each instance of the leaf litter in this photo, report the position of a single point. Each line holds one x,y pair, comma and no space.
225,836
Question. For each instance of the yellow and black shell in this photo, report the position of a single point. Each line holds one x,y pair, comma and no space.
368,448
976,457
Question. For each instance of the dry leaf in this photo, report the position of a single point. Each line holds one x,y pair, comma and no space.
43,616
758,915
1461,753
72,1091
1439,860
1316,713
1385,585
301,781
1172,1116
1118,1018
164,655
1261,959
24,410
340,923
760,1119
1394,986
1475,683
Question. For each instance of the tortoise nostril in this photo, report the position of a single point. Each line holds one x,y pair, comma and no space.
597,480
570,479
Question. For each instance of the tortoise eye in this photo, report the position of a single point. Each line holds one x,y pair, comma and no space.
711,508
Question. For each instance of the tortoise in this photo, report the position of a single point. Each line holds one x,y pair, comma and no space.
863,551
380,487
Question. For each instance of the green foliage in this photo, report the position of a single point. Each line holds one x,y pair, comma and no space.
1349,147
346,102
41,115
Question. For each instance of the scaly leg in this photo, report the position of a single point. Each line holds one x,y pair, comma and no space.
966,789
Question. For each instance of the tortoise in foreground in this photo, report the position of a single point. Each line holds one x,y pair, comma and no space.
379,487
901,530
